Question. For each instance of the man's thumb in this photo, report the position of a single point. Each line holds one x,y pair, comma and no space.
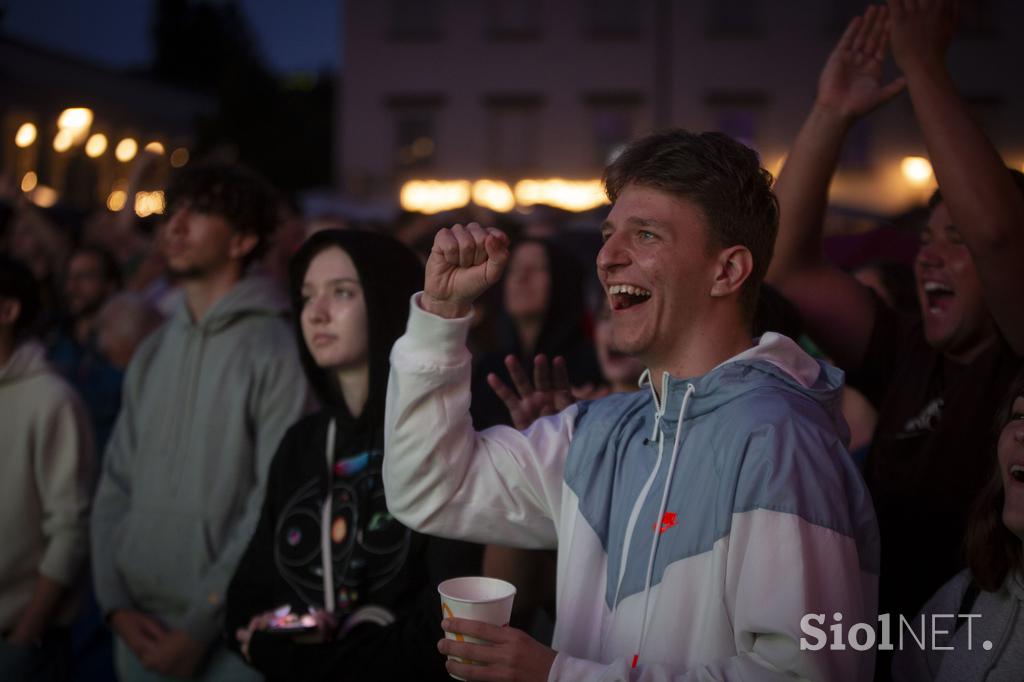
496,245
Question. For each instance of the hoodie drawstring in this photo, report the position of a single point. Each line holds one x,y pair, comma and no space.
690,390
326,512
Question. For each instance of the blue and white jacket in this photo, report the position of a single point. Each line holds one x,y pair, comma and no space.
764,519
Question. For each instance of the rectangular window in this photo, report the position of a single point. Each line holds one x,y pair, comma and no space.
513,20
738,114
613,123
615,19
415,120
416,20
513,133
734,19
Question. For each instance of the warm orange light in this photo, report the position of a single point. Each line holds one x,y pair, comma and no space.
179,157
29,182
126,150
493,194
117,199
916,169
571,195
434,196
44,196
155,147
26,135
75,118
149,203
96,145
62,141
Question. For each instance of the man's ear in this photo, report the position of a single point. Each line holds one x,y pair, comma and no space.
10,309
732,269
242,243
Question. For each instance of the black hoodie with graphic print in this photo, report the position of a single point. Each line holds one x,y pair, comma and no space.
376,561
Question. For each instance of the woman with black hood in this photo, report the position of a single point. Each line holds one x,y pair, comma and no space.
374,590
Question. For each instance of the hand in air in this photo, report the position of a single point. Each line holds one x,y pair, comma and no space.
463,263
851,82
549,393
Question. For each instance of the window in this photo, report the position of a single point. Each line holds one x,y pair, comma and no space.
734,18
513,19
615,19
613,123
415,130
513,133
738,114
416,20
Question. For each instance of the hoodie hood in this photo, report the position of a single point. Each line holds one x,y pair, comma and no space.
27,360
253,295
389,274
775,360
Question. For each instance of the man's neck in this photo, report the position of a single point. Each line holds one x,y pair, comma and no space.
970,353
706,347
202,293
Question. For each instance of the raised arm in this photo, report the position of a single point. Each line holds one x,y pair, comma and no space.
441,476
837,310
983,201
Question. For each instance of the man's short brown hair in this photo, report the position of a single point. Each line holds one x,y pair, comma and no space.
722,177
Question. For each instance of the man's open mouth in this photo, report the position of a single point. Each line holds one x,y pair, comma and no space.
622,296
1017,472
938,296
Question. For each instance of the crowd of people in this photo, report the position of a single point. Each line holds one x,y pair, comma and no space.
243,446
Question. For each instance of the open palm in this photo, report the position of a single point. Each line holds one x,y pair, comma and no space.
851,82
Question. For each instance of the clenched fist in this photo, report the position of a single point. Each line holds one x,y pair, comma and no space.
463,263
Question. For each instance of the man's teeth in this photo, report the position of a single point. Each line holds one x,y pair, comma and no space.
935,287
628,289
1017,471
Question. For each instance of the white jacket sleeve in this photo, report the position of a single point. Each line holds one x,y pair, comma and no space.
442,477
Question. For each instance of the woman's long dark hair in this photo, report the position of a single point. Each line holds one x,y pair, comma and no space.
389,274
993,552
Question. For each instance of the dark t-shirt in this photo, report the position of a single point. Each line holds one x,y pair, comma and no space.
933,452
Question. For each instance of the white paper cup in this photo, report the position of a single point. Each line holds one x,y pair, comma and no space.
476,598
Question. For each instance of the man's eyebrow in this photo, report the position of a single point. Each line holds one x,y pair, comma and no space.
635,221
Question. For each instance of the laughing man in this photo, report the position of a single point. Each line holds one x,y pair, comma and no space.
696,520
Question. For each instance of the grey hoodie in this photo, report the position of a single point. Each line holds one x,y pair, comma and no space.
46,475
205,405
990,650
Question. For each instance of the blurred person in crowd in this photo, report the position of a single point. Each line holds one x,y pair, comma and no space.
936,378
990,592
42,245
693,518
544,313
206,400
377,598
92,277
46,477
125,320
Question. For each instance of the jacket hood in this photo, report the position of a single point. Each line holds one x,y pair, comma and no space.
253,295
775,360
389,274
27,360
